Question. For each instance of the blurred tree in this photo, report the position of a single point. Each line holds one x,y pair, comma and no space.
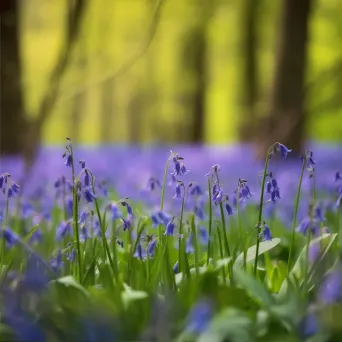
12,108
285,122
195,64
249,93
12,117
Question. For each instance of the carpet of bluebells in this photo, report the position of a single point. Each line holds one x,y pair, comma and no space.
194,244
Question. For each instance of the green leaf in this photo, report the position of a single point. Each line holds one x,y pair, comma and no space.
129,295
70,281
296,272
256,289
230,325
263,247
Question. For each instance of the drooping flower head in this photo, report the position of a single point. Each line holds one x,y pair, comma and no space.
179,166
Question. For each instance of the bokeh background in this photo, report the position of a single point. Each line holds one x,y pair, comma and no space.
162,71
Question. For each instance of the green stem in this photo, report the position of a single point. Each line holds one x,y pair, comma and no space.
295,216
225,238
261,205
180,239
164,185
242,239
210,222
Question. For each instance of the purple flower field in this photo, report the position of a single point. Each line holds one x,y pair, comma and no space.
201,243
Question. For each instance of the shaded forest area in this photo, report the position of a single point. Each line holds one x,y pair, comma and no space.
143,71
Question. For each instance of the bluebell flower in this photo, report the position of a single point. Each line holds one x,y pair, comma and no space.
69,204
195,190
165,219
97,229
71,256
178,193
151,247
10,237
319,214
229,209
57,262
127,223
330,291
338,176
128,207
266,233
199,212
284,151
170,227
155,220
306,224
217,194
175,267
116,212
3,180
308,326
199,316
82,163
26,210
82,217
140,253
268,187
89,195
68,159
63,230
203,236
189,248
119,242
179,167
86,178
152,184
84,234
244,191
13,189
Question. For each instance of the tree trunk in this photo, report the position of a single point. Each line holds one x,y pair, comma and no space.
194,64
287,112
250,69
12,118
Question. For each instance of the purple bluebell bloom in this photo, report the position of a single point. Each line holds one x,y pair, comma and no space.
307,223
69,203
82,217
319,214
200,316
36,237
203,236
116,212
338,176
331,289
266,233
84,234
63,230
164,217
151,247
152,184
10,237
178,193
86,178
199,212
189,247
82,163
170,227
155,220
229,209
284,151
57,262
71,256
68,159
89,195
308,326
196,190
140,252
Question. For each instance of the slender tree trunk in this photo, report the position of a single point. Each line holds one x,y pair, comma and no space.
194,60
12,117
287,108
250,68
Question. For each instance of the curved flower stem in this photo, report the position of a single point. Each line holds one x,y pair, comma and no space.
295,217
75,215
226,244
210,222
261,204
181,253
164,185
